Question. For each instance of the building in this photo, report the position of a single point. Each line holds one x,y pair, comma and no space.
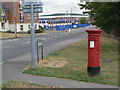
4,24
61,21
70,18
23,19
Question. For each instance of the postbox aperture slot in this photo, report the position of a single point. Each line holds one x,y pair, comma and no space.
92,44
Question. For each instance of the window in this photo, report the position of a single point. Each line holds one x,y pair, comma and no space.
28,26
28,15
3,13
21,27
36,26
3,25
35,15
21,17
20,5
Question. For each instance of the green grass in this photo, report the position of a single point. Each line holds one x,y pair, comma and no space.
76,57
18,84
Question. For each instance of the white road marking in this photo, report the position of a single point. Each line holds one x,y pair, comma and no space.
15,39
5,47
24,43
1,63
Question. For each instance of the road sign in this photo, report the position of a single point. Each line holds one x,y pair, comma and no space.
37,7
40,43
13,20
35,3
36,10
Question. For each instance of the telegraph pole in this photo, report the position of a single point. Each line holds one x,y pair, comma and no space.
15,25
33,53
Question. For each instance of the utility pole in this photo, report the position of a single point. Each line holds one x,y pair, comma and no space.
15,25
33,52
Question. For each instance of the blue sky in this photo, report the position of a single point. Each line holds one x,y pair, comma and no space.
60,6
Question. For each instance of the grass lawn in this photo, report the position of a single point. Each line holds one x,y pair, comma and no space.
18,84
71,62
11,35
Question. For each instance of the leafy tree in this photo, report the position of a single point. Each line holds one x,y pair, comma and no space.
105,14
0,9
83,20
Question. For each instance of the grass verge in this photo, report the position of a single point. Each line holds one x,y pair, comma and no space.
71,62
11,35
18,84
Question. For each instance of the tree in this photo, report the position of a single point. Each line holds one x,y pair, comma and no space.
105,14
0,9
83,20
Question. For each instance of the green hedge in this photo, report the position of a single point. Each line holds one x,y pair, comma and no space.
36,31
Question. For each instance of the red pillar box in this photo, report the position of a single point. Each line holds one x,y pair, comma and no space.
93,51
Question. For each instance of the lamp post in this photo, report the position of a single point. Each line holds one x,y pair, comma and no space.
33,7
33,56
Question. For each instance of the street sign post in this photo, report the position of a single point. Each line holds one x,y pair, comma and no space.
39,44
37,7
32,7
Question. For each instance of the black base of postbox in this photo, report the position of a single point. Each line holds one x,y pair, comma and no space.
93,71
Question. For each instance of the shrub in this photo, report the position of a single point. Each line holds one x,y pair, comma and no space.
8,31
22,32
83,20
36,31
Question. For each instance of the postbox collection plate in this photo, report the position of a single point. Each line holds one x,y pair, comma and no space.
92,44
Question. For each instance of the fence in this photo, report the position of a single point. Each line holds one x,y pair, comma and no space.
64,27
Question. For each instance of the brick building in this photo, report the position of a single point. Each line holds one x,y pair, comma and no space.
23,19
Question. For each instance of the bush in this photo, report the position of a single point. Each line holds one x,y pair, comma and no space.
22,32
8,31
36,31
83,20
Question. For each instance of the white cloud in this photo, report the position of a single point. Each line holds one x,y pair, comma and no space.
58,6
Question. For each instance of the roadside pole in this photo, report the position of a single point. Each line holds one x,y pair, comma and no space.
33,52
33,7
15,25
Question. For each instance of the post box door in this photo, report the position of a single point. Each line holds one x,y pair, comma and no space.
97,49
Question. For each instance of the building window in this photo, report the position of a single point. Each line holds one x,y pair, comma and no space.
3,25
29,27
20,5
28,15
35,26
21,27
21,17
35,15
3,12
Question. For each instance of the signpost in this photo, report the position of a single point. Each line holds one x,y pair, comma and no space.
39,44
32,7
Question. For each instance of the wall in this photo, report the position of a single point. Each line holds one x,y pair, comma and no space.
6,26
25,27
